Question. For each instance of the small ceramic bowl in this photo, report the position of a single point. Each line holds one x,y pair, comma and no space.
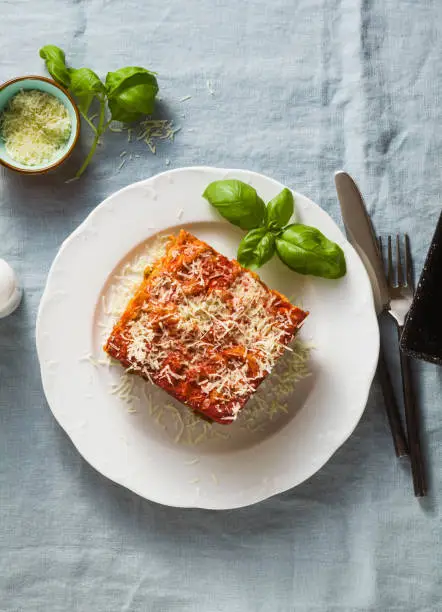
10,89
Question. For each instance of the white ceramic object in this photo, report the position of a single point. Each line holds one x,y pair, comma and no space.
10,292
128,448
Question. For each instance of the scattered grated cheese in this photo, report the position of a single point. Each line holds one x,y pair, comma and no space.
150,131
209,85
192,461
35,126
90,359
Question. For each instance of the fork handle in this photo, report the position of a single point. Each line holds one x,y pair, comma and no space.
391,408
413,425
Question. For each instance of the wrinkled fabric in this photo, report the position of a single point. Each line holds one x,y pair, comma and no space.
296,90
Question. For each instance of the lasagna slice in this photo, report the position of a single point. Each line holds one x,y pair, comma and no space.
204,329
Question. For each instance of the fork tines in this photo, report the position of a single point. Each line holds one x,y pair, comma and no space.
404,272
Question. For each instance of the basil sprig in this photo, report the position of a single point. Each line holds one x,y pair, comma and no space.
302,248
127,94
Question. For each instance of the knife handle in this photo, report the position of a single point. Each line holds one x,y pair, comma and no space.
391,408
413,425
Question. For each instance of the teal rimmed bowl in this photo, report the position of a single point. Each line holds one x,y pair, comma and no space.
10,89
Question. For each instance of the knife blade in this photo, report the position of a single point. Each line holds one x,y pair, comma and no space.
361,236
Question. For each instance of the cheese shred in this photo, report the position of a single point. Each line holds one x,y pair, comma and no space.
34,126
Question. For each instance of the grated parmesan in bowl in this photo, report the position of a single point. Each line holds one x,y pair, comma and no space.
39,124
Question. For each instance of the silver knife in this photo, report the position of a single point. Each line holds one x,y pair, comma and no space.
361,236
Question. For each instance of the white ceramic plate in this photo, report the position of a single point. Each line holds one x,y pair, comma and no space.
138,449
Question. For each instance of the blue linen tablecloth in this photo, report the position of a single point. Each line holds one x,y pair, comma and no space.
300,89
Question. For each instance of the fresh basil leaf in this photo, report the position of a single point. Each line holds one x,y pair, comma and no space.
237,202
280,209
56,64
256,248
85,81
117,79
85,84
307,251
131,92
119,113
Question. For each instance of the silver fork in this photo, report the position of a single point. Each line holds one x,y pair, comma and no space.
401,289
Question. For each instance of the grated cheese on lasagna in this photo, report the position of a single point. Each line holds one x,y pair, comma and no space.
204,329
